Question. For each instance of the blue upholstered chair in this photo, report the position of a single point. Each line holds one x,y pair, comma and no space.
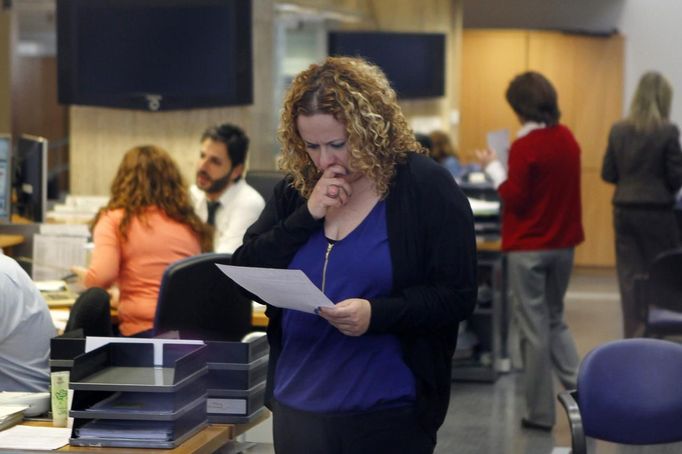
200,302
628,392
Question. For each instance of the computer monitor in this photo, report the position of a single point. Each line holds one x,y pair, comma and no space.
414,63
5,177
30,178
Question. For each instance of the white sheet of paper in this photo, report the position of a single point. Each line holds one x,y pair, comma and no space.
499,141
289,289
38,438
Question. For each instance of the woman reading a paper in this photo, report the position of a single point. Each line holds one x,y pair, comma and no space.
387,235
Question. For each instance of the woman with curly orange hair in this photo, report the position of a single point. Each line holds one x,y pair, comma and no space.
148,223
387,235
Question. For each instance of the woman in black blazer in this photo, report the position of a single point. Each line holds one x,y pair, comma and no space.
643,159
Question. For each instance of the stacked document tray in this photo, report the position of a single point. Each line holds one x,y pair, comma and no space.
64,348
122,399
236,380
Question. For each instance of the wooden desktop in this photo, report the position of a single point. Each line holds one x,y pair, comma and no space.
206,441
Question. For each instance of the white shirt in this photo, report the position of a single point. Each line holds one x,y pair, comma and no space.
25,331
240,206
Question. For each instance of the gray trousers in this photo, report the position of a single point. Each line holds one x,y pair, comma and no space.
538,282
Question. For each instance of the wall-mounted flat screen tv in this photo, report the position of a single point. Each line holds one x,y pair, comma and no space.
413,62
154,54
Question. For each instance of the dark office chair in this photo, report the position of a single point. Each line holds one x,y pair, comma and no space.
628,392
201,302
264,181
92,313
659,295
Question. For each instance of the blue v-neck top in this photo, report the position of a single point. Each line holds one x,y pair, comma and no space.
322,370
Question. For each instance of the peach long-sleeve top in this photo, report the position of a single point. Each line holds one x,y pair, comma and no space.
137,264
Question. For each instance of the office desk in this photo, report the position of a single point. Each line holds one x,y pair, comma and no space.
258,318
7,241
207,441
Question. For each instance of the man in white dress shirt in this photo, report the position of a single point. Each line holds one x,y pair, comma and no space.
25,331
221,196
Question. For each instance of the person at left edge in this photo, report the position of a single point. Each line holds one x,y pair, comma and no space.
25,331
387,235
221,196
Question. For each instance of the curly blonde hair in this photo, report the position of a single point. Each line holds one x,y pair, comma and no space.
146,177
358,95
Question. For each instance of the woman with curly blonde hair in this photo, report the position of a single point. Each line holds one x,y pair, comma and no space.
148,223
387,235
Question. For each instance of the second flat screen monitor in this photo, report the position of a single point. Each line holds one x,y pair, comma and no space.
413,62
30,178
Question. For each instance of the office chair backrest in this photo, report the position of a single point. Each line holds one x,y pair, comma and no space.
629,392
264,181
665,280
200,302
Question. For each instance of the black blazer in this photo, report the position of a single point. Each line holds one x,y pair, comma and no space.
433,253
645,167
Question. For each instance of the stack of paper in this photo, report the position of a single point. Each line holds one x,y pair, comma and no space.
11,415
34,438
124,429
484,207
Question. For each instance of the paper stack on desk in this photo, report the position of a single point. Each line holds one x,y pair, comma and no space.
11,415
126,430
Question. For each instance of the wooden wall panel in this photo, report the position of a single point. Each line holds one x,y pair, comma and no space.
554,55
490,59
6,40
587,73
35,111
598,248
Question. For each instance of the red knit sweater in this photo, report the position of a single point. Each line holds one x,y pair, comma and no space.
541,196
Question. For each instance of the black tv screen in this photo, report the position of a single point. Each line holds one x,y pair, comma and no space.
413,62
154,54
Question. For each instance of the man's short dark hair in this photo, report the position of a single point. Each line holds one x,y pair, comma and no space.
236,142
533,98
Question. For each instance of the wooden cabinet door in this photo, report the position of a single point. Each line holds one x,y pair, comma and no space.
490,59
587,74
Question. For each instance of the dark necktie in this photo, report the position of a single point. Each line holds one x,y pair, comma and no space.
212,208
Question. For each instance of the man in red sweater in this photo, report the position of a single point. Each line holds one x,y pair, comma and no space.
541,225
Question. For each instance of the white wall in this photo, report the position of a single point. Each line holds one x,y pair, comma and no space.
653,41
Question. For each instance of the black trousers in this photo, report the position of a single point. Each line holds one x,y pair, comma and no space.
641,234
394,431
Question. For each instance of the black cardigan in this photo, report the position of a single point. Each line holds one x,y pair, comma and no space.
433,253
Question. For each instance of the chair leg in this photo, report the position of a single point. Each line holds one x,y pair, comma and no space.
567,399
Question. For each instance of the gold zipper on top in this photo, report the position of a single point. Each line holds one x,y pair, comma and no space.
326,262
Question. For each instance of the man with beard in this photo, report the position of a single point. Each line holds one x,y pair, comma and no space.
221,196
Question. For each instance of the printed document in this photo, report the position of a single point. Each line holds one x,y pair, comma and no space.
499,141
288,289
